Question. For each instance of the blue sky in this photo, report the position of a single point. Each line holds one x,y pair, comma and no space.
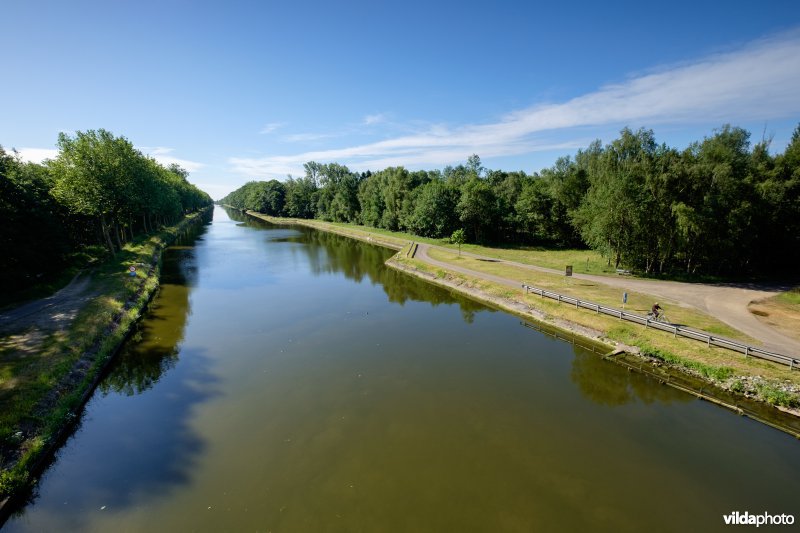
235,91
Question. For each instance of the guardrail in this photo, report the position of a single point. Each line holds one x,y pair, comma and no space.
676,330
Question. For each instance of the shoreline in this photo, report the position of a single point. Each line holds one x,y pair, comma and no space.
744,403
785,420
86,373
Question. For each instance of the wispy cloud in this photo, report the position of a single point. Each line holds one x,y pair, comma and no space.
37,155
344,131
306,137
374,119
161,154
760,81
272,126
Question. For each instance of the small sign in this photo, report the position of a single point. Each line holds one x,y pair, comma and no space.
568,271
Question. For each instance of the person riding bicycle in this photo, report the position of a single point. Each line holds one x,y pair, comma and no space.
656,310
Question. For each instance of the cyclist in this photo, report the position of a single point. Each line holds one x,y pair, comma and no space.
656,310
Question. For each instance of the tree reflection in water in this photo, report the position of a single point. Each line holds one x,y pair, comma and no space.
157,340
329,253
607,383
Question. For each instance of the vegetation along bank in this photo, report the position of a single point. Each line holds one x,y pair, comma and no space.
105,212
766,391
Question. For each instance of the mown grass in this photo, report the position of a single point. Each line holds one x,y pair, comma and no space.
27,377
710,372
791,298
583,261
592,291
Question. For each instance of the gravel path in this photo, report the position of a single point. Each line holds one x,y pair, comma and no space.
726,301
56,312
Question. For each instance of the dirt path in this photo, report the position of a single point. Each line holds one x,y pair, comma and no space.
726,302
56,312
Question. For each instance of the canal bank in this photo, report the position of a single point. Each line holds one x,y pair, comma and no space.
286,379
41,432
758,388
668,373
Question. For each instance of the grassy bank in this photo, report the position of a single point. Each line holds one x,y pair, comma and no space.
769,382
752,378
731,386
46,377
593,291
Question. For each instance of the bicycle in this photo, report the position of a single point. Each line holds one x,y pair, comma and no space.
660,318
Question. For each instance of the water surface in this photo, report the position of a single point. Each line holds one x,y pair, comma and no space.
286,380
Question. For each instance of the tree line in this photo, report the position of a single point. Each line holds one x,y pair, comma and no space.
99,191
719,207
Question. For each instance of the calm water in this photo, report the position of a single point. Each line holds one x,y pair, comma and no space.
285,380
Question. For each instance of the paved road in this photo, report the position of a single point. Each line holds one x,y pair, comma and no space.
727,302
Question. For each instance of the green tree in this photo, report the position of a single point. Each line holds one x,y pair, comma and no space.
474,166
301,197
35,233
614,216
714,212
371,199
458,237
534,211
507,187
337,199
91,179
778,187
266,197
434,209
477,209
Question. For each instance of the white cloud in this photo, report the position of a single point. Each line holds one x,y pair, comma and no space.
272,126
305,137
37,155
758,82
161,154
374,119
215,190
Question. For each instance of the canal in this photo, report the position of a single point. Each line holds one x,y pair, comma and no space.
284,379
